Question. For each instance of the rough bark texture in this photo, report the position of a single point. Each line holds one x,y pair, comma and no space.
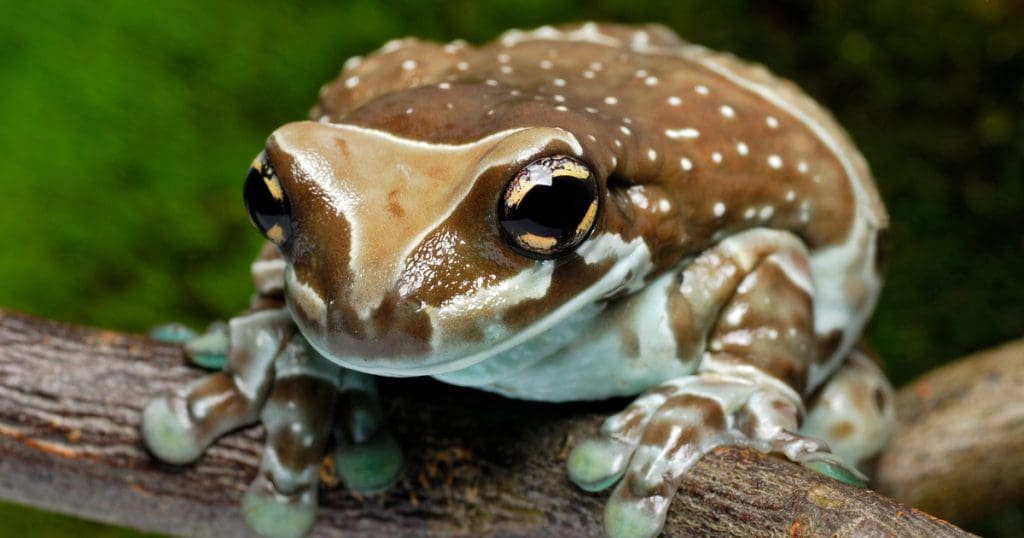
70,400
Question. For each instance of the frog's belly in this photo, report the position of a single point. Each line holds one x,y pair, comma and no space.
627,349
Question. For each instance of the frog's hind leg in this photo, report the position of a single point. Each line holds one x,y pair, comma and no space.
178,427
751,322
854,413
297,415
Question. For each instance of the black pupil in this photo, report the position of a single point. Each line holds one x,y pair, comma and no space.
265,211
551,211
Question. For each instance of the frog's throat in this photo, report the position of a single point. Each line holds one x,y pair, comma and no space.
536,341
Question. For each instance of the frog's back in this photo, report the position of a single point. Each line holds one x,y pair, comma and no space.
703,145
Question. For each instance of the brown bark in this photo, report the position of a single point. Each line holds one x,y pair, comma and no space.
959,447
70,399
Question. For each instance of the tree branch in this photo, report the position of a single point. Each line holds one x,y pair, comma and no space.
70,400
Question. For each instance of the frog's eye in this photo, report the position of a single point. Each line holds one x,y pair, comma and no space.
549,207
267,204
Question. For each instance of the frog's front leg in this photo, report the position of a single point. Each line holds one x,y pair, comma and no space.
178,427
272,375
746,308
297,415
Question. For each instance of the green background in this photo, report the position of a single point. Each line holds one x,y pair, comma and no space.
126,131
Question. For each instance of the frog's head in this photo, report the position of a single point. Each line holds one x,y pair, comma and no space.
408,257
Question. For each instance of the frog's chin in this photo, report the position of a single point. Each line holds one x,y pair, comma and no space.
508,355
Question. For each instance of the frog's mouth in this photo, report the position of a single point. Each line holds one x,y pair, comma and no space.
503,351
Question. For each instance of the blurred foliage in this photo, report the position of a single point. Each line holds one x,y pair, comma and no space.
128,127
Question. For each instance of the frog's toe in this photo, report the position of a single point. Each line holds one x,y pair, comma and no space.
209,350
168,432
172,333
596,464
177,427
271,513
368,457
371,466
635,517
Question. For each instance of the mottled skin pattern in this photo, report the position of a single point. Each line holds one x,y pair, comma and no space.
731,265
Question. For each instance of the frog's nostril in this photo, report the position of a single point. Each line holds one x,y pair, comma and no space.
266,202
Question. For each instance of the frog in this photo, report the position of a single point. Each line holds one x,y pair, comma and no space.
569,213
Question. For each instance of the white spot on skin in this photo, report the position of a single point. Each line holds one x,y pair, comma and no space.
589,74
719,209
545,64
805,211
561,108
352,63
618,143
749,213
687,132
742,148
507,70
560,82
352,82
558,98
627,120
701,89
462,66
444,85
767,212
515,93
640,73
611,100
772,122
775,161
801,167
591,109
408,65
686,164
391,46
596,66
790,196
727,111
674,101
717,157
736,314
503,58
651,81
652,155
664,205
625,130
491,82
408,110
592,138
637,196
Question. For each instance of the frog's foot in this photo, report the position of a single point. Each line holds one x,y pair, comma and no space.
649,447
367,457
